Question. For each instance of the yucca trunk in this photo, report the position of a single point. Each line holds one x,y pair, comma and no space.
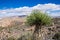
37,32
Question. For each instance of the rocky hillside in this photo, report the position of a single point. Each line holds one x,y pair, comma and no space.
15,27
8,21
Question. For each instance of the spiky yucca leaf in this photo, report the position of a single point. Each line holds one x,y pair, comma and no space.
38,18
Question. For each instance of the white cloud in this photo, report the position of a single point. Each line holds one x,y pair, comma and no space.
26,10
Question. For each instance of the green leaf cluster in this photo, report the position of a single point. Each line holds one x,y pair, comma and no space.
38,18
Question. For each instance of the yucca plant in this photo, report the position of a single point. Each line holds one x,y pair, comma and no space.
38,19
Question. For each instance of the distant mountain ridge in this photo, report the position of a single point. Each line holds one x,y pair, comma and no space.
7,21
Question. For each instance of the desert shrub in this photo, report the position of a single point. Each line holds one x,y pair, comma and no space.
56,36
22,38
11,38
25,37
1,28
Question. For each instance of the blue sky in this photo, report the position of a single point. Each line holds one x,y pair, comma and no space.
20,7
21,3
